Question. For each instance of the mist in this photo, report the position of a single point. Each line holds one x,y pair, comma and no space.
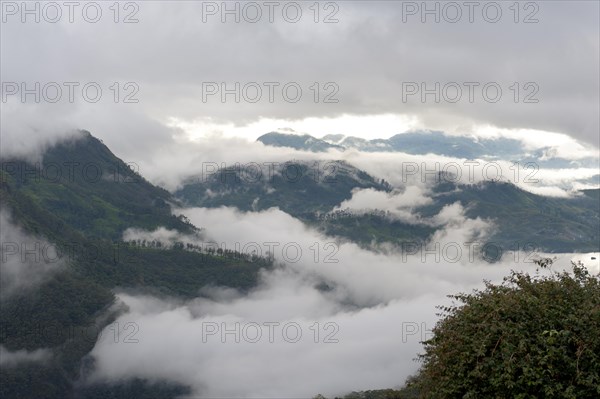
26,261
371,312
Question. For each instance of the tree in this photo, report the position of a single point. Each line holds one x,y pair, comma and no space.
529,337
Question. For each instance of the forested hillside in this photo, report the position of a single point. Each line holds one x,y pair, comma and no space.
79,199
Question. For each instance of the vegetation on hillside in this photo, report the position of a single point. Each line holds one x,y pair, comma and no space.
83,214
529,337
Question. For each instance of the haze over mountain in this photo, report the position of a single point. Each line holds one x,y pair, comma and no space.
433,142
72,210
118,249
288,199
345,201
304,142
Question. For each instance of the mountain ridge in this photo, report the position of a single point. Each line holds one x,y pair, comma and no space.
83,215
430,142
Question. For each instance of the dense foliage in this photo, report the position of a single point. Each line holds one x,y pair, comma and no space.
530,337
84,215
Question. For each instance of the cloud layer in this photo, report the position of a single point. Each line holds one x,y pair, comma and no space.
370,54
372,311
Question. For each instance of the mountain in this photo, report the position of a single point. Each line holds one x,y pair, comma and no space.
308,191
87,187
296,187
433,142
298,142
80,198
419,143
520,218
456,146
526,219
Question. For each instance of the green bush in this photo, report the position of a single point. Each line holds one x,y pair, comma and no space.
529,337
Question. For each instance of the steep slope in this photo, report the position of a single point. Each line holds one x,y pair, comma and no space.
82,183
83,215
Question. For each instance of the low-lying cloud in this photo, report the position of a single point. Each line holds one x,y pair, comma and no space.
15,358
26,261
166,237
399,204
373,308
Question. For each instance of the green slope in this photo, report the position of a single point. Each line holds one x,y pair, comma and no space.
300,189
85,218
90,189
525,219
522,219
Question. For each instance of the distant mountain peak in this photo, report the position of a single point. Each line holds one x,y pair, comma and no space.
422,142
304,142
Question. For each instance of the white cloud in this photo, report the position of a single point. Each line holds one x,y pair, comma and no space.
26,261
165,236
400,205
14,358
370,296
23,137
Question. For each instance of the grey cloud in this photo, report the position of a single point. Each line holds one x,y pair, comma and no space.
369,53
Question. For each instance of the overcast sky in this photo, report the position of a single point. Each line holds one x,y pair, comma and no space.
370,61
